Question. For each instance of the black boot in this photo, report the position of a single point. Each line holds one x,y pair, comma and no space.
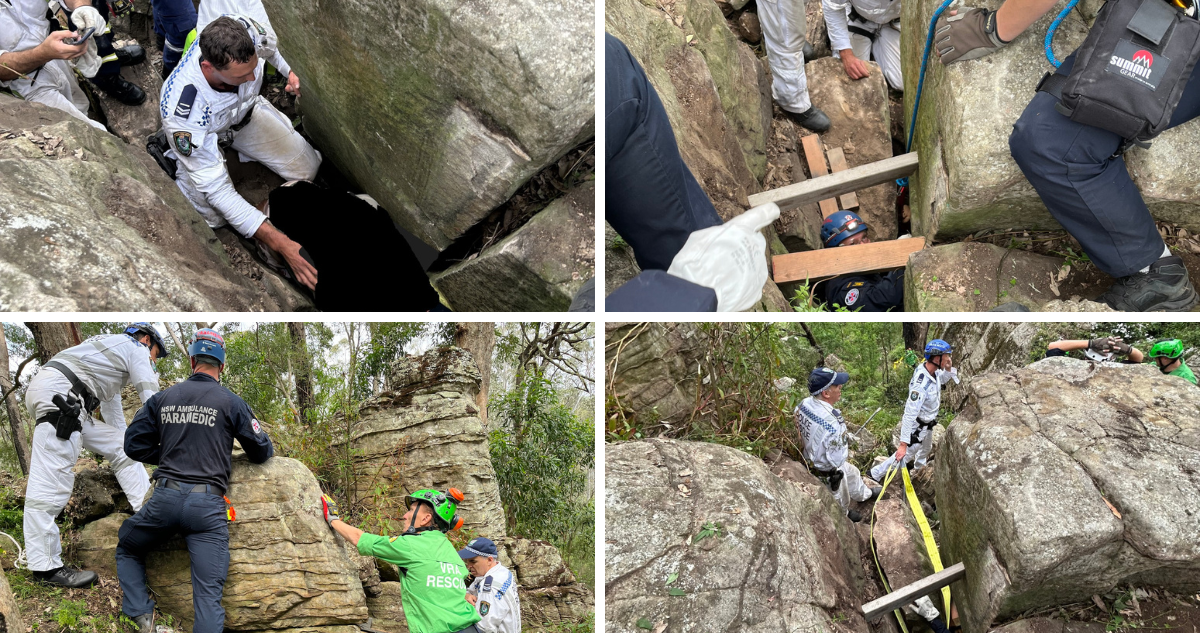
118,88
812,119
809,52
874,493
131,55
854,515
66,577
1165,288
144,622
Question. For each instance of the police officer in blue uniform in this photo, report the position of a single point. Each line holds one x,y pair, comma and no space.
188,431
1078,169
866,293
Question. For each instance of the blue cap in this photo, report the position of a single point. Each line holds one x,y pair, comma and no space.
823,378
479,547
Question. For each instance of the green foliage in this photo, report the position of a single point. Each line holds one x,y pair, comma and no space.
69,615
542,454
710,528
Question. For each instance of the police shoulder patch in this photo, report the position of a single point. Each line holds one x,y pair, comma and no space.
183,143
257,26
484,607
187,99
914,395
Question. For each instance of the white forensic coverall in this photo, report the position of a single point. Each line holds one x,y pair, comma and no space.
198,120
880,17
824,433
23,25
104,364
920,416
497,602
783,29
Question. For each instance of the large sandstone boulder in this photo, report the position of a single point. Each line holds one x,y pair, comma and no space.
652,368
10,617
714,89
429,417
1065,479
968,180
287,569
96,492
982,348
553,608
96,544
862,128
387,610
89,223
539,267
976,277
784,559
442,109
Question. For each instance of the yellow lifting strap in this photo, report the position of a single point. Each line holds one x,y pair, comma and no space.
926,534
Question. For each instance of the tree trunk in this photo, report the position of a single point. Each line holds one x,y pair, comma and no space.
52,338
302,366
914,336
13,408
812,340
479,339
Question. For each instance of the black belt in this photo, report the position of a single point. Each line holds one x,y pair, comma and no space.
90,401
244,122
926,424
174,485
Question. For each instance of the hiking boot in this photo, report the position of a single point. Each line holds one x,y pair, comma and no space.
812,119
808,51
874,494
854,515
144,622
66,577
1165,288
131,55
118,88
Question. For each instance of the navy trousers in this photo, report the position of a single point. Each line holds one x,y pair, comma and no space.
1086,188
200,518
173,20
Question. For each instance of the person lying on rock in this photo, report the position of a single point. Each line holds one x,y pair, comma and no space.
1105,349
1168,355
866,29
921,408
34,52
823,435
211,101
655,203
494,590
188,431
868,292
62,397
1079,170
431,572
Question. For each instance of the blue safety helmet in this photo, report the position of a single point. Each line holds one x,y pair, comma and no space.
937,347
206,342
141,327
839,226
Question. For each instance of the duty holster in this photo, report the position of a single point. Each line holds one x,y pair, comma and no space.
67,419
833,478
1130,71
157,146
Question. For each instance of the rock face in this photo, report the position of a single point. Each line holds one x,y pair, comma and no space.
96,492
861,127
1030,468
10,617
439,109
792,555
652,368
539,267
619,263
134,123
899,543
287,569
550,596
984,348
96,544
429,417
116,235
714,89
968,180
976,277
387,611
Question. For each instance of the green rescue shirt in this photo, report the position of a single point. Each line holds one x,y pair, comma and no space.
431,579
1184,372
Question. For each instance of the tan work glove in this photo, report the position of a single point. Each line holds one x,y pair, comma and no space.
969,34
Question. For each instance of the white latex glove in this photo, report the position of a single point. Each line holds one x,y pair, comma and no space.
86,17
923,607
944,376
729,258
88,64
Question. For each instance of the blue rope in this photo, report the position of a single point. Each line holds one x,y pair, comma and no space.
903,182
1050,32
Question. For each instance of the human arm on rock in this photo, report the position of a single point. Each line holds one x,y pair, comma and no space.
17,63
282,244
977,32
855,67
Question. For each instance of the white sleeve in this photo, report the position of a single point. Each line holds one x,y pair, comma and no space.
498,614
141,374
837,23
912,409
206,167
280,64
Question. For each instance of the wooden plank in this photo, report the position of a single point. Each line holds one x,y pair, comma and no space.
829,262
852,179
837,162
908,593
815,155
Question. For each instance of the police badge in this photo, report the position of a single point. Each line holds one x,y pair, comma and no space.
484,607
914,395
183,143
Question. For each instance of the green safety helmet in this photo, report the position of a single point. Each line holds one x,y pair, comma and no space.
444,505
1171,348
